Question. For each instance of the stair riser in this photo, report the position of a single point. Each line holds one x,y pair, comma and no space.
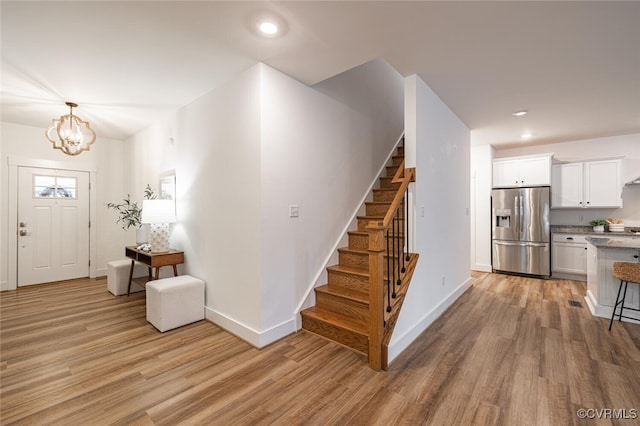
396,160
376,209
341,305
385,183
358,241
391,170
400,151
363,223
358,260
348,281
384,196
355,341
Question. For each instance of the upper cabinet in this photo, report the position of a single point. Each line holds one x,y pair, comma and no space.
587,184
522,171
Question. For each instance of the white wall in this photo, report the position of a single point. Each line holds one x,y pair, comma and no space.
442,235
322,147
213,144
627,146
246,151
27,144
481,177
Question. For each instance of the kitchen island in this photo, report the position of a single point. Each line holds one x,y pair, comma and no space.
602,287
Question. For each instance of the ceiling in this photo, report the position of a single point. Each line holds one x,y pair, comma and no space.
575,66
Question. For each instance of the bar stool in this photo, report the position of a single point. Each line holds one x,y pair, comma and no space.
626,272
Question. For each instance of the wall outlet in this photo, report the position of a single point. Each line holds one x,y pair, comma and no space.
443,280
421,211
293,211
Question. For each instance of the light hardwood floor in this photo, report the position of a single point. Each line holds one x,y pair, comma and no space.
510,351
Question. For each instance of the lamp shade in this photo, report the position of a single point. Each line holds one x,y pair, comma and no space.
158,211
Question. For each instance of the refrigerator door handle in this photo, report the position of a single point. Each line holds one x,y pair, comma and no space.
509,243
521,217
517,215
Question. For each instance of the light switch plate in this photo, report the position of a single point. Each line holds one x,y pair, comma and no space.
293,210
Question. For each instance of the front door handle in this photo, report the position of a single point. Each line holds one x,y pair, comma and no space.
23,233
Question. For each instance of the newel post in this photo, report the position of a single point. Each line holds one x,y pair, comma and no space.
377,245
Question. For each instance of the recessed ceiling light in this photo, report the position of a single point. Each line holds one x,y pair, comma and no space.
526,135
267,24
520,113
268,28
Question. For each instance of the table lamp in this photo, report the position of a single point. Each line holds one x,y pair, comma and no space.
158,214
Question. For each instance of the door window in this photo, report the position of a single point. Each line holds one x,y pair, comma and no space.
54,187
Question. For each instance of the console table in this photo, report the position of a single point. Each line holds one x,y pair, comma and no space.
153,260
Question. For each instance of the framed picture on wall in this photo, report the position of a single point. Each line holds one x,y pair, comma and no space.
167,187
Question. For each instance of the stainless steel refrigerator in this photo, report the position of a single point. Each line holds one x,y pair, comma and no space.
520,236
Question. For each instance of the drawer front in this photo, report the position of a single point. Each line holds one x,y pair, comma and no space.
569,238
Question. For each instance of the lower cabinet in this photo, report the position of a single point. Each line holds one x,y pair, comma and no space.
569,256
602,286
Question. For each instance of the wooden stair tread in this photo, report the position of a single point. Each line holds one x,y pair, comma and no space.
371,217
349,270
351,324
345,293
353,250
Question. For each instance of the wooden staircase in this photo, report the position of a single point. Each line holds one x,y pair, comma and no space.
343,307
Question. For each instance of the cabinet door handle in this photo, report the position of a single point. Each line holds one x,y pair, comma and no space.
569,238
636,256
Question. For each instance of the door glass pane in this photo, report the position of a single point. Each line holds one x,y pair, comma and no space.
44,186
66,187
54,187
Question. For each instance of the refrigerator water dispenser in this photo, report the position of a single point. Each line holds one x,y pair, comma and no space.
503,218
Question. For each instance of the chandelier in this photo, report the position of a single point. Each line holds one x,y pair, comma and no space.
70,134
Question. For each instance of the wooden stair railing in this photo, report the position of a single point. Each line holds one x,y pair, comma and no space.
387,238
370,279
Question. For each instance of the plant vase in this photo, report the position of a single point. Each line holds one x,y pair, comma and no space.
598,228
141,235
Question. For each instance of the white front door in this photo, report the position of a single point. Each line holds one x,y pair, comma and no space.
53,225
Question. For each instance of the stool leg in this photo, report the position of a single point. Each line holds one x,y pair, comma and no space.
624,296
613,315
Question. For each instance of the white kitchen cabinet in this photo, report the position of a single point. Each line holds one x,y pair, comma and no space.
569,256
589,184
522,171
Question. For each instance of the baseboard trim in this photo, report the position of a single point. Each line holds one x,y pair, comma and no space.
256,338
606,311
481,267
399,344
4,285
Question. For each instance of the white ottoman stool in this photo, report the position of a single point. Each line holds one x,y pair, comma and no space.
174,302
118,276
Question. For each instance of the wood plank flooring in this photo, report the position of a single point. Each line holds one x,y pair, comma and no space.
510,351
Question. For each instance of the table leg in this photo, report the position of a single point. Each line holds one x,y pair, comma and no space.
150,276
133,262
157,273
175,270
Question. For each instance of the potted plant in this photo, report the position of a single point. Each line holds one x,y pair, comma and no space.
598,225
129,214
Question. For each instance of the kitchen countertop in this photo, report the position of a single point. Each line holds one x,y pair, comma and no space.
624,243
588,230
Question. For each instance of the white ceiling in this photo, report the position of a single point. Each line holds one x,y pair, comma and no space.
574,65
